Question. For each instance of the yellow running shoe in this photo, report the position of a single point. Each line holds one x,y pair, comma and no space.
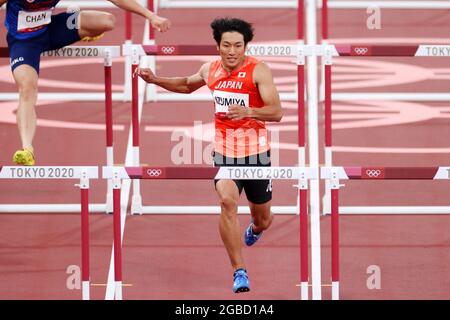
24,157
90,39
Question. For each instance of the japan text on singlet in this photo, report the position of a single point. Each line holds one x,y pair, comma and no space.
244,137
28,18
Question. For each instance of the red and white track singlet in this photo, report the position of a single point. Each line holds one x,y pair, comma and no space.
244,137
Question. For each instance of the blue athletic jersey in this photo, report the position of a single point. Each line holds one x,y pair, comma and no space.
28,18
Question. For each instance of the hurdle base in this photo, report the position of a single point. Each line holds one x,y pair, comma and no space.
304,291
326,204
136,205
118,290
85,287
109,207
335,290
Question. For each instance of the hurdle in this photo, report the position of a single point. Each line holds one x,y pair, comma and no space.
259,50
136,206
107,53
333,175
352,50
83,174
336,174
325,5
301,174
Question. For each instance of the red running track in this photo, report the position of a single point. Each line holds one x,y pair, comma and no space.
412,251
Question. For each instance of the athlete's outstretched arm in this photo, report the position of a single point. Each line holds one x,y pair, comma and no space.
177,84
159,23
262,76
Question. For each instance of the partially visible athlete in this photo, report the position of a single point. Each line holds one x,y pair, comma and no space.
32,29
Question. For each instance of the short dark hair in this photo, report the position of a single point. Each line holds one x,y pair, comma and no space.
221,25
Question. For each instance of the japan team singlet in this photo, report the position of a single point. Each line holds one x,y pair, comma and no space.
244,137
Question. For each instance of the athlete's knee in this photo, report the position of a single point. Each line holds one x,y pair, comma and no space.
228,205
109,22
28,89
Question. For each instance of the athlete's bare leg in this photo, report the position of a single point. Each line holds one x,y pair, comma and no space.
262,216
26,79
95,23
229,224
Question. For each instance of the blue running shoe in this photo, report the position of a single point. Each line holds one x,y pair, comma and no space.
251,237
241,283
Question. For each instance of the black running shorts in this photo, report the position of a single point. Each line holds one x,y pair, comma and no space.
257,191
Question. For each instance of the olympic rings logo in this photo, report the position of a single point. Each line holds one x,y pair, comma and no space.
154,172
168,50
373,173
361,50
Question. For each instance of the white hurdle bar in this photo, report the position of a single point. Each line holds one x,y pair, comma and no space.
301,174
83,174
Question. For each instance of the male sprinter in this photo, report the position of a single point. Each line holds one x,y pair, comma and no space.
245,97
33,29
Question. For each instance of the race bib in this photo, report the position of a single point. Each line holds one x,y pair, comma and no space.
28,21
223,100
